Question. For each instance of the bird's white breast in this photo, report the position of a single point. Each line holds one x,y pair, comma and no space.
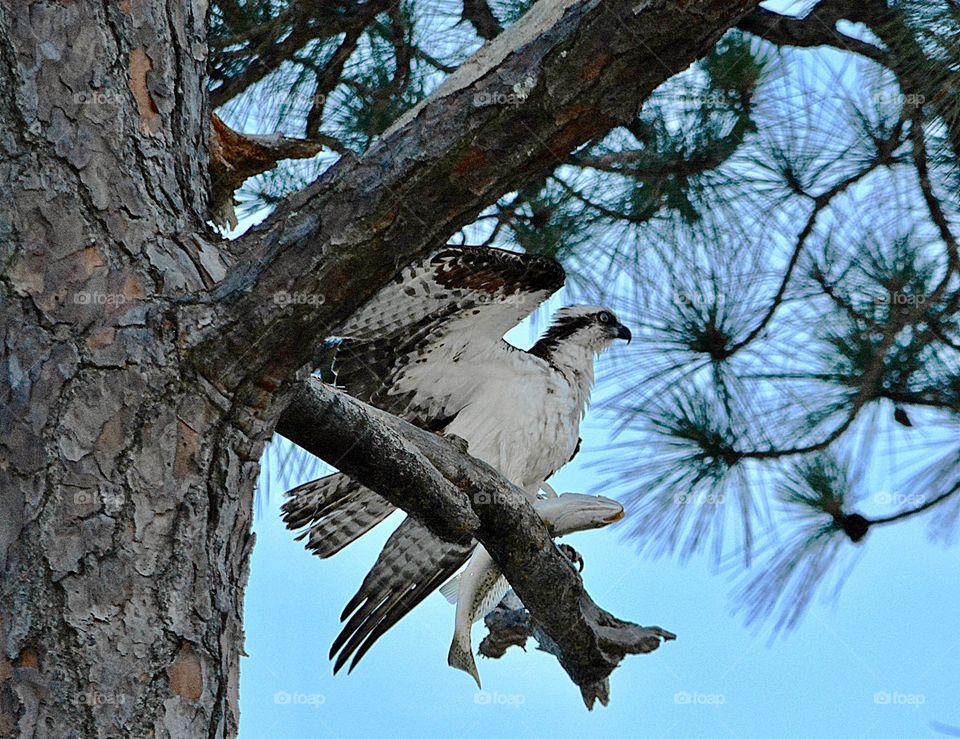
523,417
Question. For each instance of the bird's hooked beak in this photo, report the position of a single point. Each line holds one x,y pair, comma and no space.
624,333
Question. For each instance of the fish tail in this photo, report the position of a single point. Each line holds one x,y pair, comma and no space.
460,656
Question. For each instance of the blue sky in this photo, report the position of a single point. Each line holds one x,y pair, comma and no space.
884,661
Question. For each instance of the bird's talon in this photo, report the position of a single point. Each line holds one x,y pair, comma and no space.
573,556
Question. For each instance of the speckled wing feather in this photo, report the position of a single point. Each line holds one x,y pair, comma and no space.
451,307
336,511
398,355
481,289
412,564
414,350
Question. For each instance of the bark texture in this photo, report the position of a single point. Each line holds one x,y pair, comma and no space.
126,486
145,362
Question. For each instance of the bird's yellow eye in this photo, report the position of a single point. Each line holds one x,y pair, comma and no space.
604,317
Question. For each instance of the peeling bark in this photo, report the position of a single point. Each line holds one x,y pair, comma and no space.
235,157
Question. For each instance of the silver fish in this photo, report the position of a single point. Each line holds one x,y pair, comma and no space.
481,586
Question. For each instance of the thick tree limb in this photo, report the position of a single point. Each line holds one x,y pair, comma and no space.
565,73
375,448
345,433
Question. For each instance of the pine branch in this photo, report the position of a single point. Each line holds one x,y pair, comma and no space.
817,28
302,22
479,15
434,480
935,83
930,198
820,203
910,512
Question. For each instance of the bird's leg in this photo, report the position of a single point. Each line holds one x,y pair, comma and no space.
548,491
576,561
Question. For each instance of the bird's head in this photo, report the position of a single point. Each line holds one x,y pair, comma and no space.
590,327
571,512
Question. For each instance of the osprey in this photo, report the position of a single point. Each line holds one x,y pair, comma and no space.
429,348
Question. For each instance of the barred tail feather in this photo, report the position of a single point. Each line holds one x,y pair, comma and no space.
336,511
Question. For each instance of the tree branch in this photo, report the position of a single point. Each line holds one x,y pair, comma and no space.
909,512
479,15
934,82
817,28
351,435
432,479
916,72
235,157
268,48
820,203
583,66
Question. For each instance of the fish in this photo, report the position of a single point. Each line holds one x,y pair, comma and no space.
481,586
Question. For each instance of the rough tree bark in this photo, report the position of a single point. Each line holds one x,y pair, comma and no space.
145,361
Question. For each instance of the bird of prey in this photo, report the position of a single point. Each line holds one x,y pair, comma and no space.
429,348
481,586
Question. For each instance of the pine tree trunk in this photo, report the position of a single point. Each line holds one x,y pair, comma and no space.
125,522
